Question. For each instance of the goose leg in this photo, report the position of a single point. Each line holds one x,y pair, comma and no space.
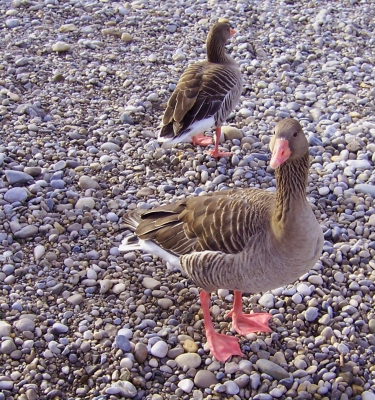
221,346
247,323
216,152
201,140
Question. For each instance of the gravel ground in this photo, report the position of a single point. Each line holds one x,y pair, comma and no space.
83,85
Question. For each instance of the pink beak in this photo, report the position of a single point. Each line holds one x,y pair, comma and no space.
281,152
232,32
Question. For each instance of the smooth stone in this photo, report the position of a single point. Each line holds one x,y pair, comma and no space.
190,346
367,395
231,132
12,23
140,352
59,327
272,369
5,329
204,379
26,232
339,277
68,28
255,381
123,343
145,191
109,146
124,388
119,288
126,37
33,171
150,283
165,303
6,385
327,332
61,47
39,252
85,182
242,381
365,189
7,346
111,32
316,280
371,325
60,165
18,177
159,349
231,387
16,194
85,202
25,324
267,300
303,289
75,299
311,314
105,285
191,360
324,190
186,385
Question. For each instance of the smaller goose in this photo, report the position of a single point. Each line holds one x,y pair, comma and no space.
248,240
204,96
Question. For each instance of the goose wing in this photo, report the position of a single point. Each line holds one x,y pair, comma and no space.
222,221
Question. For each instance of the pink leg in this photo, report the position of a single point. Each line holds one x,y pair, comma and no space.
247,323
221,346
202,140
216,153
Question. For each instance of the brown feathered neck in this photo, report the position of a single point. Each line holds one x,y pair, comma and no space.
216,52
291,182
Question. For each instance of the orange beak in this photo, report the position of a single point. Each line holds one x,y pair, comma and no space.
232,32
281,152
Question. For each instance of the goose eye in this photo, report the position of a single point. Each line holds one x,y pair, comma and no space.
295,134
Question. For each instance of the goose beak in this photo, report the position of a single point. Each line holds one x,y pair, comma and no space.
281,152
232,32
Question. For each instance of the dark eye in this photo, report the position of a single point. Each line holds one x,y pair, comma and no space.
295,134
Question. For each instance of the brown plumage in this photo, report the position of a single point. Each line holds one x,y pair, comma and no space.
247,240
205,95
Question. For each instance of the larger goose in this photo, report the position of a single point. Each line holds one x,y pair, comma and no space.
247,240
204,96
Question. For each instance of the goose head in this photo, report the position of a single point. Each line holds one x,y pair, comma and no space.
220,33
288,143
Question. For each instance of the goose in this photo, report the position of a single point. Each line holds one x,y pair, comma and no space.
246,240
204,96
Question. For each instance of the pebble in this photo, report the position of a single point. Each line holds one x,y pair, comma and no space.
311,314
5,329
191,360
88,202
140,352
25,324
61,47
18,178
231,132
159,349
267,300
7,346
272,369
75,299
16,194
59,327
204,379
186,385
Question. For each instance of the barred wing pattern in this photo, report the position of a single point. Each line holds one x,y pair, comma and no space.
223,222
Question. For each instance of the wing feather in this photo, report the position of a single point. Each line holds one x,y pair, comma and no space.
224,221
